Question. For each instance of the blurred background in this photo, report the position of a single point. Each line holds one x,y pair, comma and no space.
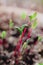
29,4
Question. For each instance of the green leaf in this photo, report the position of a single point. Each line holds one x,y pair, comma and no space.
19,29
3,35
24,45
32,17
39,38
23,15
34,24
40,63
11,23
23,26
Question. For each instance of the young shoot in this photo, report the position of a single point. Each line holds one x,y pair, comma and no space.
11,24
39,38
33,16
34,24
3,34
24,45
20,29
23,15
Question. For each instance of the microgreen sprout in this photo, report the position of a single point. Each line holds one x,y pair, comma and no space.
39,38
34,24
24,45
11,23
23,15
33,16
40,63
3,35
20,29
23,26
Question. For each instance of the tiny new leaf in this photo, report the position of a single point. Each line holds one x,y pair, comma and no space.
11,23
33,16
34,24
3,35
39,38
40,63
23,15
24,45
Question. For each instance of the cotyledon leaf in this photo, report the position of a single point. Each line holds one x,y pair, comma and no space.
24,45
3,35
39,38
23,15
33,16
19,29
34,24
40,63
11,23
23,26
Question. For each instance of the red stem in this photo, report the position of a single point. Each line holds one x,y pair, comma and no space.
29,34
20,41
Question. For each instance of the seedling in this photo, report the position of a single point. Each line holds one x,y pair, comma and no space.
23,26
33,16
3,35
11,24
20,29
39,38
23,15
40,63
34,24
24,45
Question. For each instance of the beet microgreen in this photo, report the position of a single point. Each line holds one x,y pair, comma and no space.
24,45
20,40
3,34
40,63
20,29
23,15
11,24
39,38
33,16
34,24
23,26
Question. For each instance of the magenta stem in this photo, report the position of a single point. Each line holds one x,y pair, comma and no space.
20,41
